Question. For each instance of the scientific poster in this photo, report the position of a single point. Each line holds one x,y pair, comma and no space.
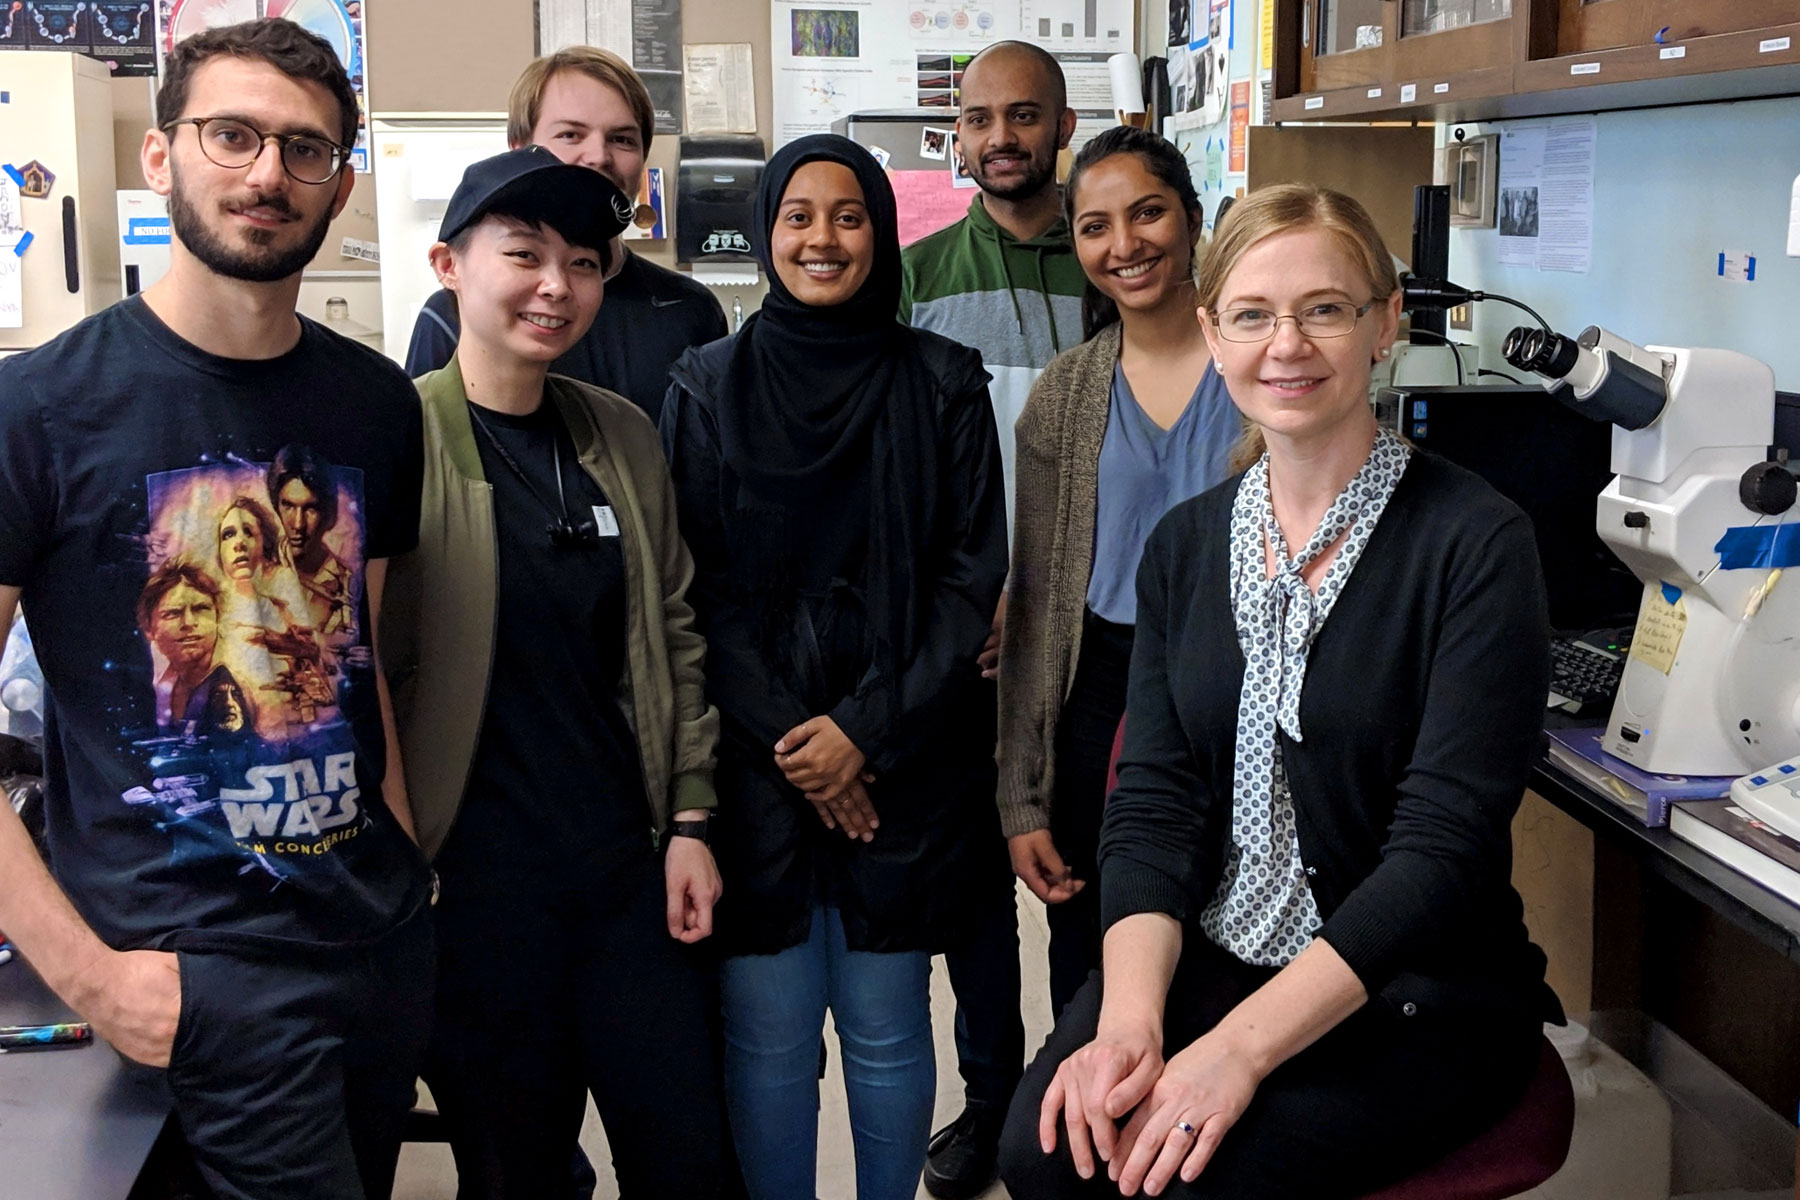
656,55
339,22
125,36
832,58
645,33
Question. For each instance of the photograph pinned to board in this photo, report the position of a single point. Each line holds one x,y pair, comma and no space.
1519,212
339,22
935,143
959,170
882,157
1200,68
826,33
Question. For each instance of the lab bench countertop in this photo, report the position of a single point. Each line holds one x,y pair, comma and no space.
76,1123
1763,914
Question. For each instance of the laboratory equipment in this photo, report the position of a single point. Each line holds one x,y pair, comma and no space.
1550,462
1772,796
1697,510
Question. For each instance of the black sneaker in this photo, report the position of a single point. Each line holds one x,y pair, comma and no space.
961,1158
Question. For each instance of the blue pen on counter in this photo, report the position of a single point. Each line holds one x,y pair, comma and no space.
37,1037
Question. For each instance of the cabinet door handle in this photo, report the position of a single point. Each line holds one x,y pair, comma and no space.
71,247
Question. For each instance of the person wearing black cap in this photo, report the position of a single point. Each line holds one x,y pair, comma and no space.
546,672
838,477
588,107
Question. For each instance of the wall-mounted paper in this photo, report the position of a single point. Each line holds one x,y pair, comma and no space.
12,283
721,88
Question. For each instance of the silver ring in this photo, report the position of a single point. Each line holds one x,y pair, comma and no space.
1186,1128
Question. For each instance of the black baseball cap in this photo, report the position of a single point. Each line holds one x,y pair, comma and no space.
534,185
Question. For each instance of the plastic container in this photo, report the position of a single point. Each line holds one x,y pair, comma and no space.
1622,1144
21,685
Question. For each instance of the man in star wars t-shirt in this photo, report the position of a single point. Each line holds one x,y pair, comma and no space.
199,491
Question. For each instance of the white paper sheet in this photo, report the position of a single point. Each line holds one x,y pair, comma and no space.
1566,224
11,222
721,87
609,26
1521,184
12,283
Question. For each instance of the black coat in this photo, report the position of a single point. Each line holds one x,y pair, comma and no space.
783,649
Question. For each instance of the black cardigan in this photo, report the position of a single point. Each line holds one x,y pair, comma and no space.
911,887
1422,711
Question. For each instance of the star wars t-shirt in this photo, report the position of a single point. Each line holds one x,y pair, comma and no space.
191,535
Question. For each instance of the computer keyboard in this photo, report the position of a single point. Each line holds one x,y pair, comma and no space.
1584,676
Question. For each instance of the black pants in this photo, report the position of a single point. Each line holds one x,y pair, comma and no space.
544,998
1084,741
292,1078
1372,1101
985,977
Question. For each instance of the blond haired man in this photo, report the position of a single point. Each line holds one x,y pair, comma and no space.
588,107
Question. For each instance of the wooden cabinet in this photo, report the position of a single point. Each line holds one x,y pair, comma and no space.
1587,25
1480,59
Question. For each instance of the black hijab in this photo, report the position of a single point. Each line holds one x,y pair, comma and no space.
817,398
805,384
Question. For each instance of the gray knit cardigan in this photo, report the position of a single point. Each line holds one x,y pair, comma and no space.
1057,482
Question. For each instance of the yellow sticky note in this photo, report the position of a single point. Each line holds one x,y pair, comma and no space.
1267,20
1660,627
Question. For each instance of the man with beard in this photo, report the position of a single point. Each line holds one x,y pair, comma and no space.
1004,280
289,942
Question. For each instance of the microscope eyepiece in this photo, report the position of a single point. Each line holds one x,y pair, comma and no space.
1532,349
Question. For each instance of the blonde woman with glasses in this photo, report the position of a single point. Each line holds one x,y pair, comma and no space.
1316,972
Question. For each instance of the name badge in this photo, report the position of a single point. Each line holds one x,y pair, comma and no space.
604,521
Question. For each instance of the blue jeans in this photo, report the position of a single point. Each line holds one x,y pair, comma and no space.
774,1013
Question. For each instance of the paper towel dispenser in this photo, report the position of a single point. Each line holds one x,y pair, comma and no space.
716,203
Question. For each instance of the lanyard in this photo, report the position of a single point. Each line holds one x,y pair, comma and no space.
564,533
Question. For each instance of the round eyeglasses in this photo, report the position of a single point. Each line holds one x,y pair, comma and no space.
233,144
1334,318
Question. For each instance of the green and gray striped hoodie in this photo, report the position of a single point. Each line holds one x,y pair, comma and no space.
1016,302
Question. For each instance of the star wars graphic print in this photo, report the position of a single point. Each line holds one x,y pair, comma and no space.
249,615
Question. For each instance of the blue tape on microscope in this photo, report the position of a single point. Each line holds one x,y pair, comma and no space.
1767,546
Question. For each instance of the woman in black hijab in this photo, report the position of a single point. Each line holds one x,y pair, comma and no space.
838,477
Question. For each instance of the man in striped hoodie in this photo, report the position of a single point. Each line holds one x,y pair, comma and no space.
1005,281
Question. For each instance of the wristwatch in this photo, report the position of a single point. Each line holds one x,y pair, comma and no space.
690,829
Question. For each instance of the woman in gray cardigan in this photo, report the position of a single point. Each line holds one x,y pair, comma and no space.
1116,432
